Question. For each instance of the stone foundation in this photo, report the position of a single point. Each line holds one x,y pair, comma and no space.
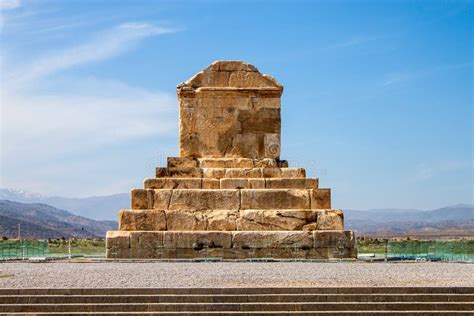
231,244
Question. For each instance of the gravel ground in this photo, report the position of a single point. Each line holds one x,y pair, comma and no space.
232,274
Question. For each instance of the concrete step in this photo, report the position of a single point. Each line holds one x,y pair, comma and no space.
230,183
238,291
224,307
236,298
230,199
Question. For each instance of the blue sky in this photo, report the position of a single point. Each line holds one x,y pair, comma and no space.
377,101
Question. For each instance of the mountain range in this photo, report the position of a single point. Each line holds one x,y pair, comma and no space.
92,216
43,221
456,220
95,207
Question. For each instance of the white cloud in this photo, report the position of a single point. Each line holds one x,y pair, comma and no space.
401,77
107,44
48,121
86,118
9,4
425,171
356,41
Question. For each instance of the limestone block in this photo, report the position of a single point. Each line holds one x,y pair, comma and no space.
266,163
321,199
178,172
234,183
118,239
230,65
205,200
214,173
291,183
255,183
272,239
142,220
211,184
141,199
244,79
272,145
283,163
162,198
185,220
274,199
310,226
243,145
146,240
275,219
330,220
283,172
222,220
226,163
226,113
261,121
293,172
182,162
243,173
197,239
271,172
333,238
172,183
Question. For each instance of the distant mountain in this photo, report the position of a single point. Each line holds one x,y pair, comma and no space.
96,207
457,220
43,221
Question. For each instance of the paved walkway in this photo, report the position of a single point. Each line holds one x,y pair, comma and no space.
233,274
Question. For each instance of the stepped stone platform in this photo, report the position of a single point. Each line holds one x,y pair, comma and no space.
240,301
229,195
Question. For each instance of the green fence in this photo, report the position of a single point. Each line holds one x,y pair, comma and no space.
433,250
23,249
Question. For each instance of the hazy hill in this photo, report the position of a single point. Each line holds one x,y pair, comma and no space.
451,220
457,220
44,221
95,207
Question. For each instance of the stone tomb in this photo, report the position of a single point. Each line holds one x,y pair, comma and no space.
229,195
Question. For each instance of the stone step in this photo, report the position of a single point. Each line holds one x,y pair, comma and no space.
218,173
230,220
238,307
395,290
187,162
231,244
230,199
313,313
231,183
232,298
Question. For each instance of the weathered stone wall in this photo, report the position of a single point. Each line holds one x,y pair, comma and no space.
229,110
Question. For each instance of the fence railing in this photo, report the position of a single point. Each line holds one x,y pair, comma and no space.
431,250
23,249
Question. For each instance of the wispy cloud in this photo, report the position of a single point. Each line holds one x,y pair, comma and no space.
357,40
9,4
107,44
397,78
57,118
426,171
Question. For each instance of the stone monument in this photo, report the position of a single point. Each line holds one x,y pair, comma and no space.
228,195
